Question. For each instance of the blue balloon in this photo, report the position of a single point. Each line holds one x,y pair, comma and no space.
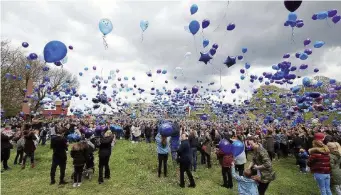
105,26
322,15
194,9
166,129
244,49
226,147
194,27
205,42
318,44
144,25
292,17
237,148
303,56
54,51
306,81
242,77
247,65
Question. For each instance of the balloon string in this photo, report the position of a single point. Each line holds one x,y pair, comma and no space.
228,3
195,45
328,22
292,35
142,37
105,43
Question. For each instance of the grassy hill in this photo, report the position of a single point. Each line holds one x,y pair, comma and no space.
134,171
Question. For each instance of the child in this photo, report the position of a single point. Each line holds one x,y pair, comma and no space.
302,160
247,184
226,161
79,159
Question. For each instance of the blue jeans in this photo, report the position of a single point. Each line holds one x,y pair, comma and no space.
194,158
323,181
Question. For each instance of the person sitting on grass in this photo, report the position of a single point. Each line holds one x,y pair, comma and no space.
247,184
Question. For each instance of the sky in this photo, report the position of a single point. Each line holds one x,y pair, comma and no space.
259,27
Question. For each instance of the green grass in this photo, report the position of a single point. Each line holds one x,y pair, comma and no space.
134,171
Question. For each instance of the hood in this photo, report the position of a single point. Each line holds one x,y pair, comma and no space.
319,147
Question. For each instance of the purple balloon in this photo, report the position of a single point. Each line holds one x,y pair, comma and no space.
314,17
70,47
299,24
332,13
240,57
286,23
213,51
205,23
308,51
25,44
242,71
306,42
297,55
316,70
286,55
231,26
336,19
195,89
215,46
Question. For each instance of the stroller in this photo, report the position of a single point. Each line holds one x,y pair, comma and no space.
89,167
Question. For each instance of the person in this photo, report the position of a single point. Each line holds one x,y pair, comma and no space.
319,163
184,158
148,132
225,161
247,184
29,147
20,148
6,147
302,160
79,157
240,160
335,163
59,158
162,153
270,144
262,163
136,133
193,142
207,147
43,135
201,148
104,156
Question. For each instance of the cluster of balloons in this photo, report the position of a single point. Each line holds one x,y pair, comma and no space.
323,15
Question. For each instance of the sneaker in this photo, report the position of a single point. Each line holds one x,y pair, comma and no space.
74,185
182,186
79,184
191,186
52,182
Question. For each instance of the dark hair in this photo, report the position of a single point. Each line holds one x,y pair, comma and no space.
163,141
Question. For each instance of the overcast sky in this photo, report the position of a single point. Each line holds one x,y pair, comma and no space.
259,27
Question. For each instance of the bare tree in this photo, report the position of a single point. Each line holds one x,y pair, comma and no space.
17,70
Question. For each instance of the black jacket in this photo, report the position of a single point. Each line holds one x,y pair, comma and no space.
105,146
184,152
148,131
79,157
5,144
59,146
193,141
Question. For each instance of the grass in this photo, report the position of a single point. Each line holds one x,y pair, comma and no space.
134,171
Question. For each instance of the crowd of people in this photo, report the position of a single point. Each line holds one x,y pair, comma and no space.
315,148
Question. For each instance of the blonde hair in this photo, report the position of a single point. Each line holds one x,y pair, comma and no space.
334,147
107,133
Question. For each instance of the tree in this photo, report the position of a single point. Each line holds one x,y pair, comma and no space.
17,70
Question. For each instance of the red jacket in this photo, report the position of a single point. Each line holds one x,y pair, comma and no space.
224,159
319,161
